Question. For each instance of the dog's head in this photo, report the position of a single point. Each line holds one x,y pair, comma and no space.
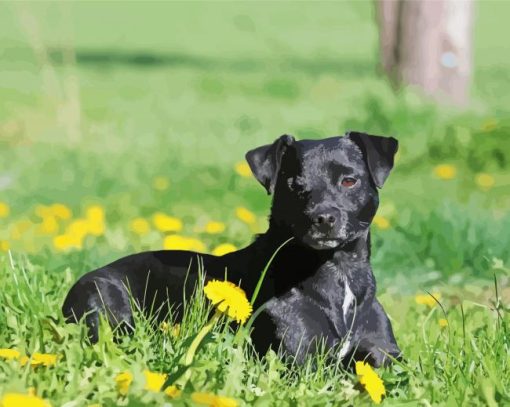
324,191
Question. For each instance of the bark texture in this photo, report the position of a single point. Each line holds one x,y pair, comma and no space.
428,44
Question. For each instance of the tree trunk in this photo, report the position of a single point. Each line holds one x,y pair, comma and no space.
428,44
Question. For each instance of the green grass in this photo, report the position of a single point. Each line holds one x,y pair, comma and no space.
183,91
465,363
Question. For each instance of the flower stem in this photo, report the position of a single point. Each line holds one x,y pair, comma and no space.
261,279
190,354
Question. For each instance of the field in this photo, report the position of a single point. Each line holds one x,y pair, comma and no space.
124,127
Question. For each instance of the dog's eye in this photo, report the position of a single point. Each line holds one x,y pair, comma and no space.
348,182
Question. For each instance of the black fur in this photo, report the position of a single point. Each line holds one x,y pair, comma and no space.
320,286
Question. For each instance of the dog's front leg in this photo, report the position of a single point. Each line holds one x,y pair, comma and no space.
377,342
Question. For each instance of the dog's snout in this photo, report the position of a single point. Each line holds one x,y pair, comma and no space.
324,219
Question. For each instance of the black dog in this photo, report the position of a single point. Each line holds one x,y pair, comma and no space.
320,286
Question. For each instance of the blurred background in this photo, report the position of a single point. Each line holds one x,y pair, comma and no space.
123,127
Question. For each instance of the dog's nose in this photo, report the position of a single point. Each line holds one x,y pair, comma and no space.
325,219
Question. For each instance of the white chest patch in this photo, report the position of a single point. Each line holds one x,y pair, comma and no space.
348,300
346,305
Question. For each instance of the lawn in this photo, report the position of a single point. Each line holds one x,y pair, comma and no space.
124,127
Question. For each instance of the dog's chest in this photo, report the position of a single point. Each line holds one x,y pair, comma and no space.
320,307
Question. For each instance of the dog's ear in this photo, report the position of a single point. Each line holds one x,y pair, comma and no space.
379,154
265,161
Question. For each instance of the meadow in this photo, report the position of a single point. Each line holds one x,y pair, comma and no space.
124,127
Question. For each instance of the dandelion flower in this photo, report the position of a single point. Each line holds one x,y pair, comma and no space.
78,229
173,330
214,227
484,181
176,242
443,323
381,222
212,400
66,241
9,354
426,299
22,400
164,327
48,226
172,391
243,169
245,215
123,381
160,183
95,219
229,299
61,211
40,359
489,125
154,381
4,245
4,210
224,249
140,226
445,171
165,223
370,381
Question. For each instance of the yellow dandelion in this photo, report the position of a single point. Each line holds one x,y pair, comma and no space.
164,327
66,242
4,210
123,381
160,183
4,245
48,226
484,181
154,381
140,226
381,222
445,171
213,400
443,323
229,299
166,223
177,242
245,215
175,330
95,218
214,227
224,248
22,400
39,359
426,299
489,125
172,392
9,354
78,229
243,169
372,383
61,211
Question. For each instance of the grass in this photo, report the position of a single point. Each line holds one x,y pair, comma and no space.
103,110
